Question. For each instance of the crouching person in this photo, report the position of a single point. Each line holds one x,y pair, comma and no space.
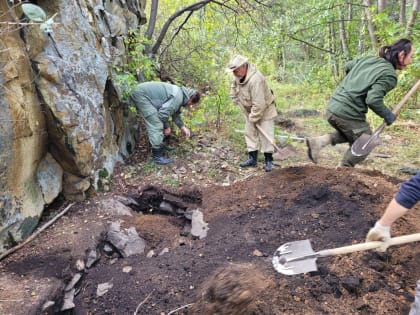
158,102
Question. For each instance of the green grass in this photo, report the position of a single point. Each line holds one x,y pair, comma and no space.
148,168
291,97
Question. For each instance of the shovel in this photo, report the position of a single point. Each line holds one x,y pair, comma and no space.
281,154
365,143
298,257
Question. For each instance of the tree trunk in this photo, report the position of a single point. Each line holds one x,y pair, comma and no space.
191,8
331,47
151,26
152,19
371,28
283,57
412,19
349,11
343,33
381,5
403,3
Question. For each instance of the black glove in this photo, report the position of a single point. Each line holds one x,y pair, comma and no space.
389,117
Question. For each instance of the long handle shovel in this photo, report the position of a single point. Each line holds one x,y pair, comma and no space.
281,154
365,143
298,257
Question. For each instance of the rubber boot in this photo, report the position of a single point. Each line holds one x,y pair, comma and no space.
167,148
268,166
315,145
158,158
252,159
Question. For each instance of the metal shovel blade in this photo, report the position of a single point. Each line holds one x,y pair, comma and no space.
284,153
365,144
294,258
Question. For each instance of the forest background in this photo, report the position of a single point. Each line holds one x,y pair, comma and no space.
301,47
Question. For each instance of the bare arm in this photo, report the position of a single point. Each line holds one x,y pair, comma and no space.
392,213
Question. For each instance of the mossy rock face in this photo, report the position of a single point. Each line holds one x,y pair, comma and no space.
27,226
16,227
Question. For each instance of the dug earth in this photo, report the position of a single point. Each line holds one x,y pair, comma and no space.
226,269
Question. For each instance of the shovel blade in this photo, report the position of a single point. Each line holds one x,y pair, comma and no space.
283,258
284,153
365,144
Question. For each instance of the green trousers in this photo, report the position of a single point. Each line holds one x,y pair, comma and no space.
154,126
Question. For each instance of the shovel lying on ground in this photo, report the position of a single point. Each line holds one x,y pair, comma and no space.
298,257
365,143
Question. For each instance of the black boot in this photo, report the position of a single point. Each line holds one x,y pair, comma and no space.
252,159
158,158
167,148
268,162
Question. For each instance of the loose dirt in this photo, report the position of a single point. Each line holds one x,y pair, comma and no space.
229,271
250,213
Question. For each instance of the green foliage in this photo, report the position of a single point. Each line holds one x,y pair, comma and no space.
215,110
299,96
386,29
34,12
103,173
136,64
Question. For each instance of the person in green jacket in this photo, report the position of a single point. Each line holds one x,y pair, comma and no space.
364,87
157,102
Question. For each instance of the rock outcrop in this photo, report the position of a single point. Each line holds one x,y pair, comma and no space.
62,120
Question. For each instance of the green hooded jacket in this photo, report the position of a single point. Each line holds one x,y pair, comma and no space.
367,81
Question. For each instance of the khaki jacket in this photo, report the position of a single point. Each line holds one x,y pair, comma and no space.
254,96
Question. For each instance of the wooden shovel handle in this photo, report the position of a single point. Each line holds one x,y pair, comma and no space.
370,245
266,136
396,110
410,93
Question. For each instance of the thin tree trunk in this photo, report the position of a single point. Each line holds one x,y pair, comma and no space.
413,16
191,8
371,28
152,19
331,47
343,33
151,26
283,57
381,5
349,11
403,3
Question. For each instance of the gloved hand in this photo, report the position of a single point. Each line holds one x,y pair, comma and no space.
379,233
389,117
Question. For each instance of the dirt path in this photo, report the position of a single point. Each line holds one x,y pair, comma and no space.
231,268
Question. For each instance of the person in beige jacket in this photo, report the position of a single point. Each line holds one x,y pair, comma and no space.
250,91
